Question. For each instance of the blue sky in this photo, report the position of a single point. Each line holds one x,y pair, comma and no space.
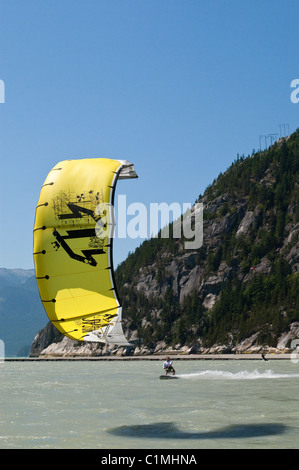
178,87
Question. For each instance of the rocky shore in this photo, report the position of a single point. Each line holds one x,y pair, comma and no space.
154,357
249,348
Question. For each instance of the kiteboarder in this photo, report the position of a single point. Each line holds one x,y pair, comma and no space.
168,367
264,358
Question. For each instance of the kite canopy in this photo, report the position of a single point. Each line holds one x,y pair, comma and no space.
73,234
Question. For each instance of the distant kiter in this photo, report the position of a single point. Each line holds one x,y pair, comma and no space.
263,357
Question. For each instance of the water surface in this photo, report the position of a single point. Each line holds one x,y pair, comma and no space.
124,405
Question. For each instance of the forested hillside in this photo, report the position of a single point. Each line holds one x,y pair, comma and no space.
245,274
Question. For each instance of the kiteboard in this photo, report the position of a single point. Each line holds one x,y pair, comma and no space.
165,377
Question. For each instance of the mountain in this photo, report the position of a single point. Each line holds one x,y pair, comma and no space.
239,290
21,312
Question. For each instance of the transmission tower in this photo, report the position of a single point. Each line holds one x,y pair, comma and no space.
272,137
265,138
284,127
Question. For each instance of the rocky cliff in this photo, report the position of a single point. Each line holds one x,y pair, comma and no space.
238,291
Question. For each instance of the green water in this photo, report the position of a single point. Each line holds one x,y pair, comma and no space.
123,405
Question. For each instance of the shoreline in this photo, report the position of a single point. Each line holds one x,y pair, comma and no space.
183,357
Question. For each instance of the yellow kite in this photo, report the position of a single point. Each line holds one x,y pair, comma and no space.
73,235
